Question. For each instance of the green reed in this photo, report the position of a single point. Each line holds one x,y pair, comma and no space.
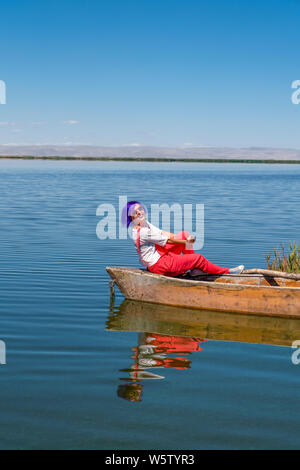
288,262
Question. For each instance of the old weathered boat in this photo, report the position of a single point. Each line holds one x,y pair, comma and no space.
245,293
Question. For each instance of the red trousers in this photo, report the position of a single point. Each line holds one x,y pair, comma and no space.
173,263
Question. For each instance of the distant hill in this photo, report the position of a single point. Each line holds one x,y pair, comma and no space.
82,151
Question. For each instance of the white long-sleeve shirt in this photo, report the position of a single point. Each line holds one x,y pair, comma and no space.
149,236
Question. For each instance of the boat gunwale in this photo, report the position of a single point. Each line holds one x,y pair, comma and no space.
190,282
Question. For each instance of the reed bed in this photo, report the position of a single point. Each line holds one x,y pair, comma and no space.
288,262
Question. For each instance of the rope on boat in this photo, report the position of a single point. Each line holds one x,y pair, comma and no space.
112,288
267,272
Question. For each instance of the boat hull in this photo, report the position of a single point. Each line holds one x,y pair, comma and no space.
251,294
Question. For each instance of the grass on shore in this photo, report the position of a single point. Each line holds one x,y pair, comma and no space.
288,262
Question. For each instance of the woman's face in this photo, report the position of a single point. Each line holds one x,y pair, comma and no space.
138,212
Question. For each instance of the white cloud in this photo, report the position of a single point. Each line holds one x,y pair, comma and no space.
20,124
7,124
71,122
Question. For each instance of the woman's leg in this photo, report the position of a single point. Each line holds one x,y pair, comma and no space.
172,264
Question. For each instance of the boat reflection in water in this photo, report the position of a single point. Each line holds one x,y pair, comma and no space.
167,336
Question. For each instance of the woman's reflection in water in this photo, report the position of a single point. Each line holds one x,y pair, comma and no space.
151,352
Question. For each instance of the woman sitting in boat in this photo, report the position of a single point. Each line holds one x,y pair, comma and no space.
166,253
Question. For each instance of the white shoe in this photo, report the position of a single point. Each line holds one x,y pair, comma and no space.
237,270
196,272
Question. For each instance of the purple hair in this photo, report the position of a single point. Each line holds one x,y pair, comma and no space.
125,212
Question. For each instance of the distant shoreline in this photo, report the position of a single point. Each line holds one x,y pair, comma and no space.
150,159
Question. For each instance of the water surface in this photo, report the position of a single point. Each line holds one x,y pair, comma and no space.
82,373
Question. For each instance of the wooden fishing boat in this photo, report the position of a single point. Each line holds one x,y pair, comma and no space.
143,317
249,293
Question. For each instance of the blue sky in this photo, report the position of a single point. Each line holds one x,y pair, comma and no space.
150,72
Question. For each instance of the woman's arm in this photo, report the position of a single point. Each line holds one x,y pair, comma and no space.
167,234
181,242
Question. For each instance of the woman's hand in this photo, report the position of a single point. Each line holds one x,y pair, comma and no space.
190,239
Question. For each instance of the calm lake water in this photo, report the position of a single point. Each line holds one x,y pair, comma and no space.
83,373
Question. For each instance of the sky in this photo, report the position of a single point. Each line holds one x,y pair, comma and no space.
173,73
